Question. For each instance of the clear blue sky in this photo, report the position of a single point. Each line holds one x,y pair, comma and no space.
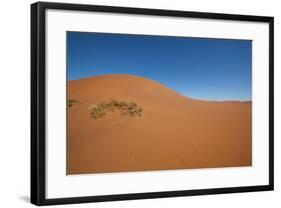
202,68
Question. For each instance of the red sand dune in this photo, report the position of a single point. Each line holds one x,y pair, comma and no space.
174,131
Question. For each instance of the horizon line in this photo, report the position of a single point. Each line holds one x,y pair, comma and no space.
182,94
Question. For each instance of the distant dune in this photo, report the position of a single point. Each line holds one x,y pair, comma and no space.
173,131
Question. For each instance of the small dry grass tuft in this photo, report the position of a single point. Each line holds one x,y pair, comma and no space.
126,108
72,102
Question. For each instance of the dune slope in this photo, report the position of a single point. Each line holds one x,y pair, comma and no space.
173,131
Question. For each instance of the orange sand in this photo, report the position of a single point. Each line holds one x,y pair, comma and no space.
174,131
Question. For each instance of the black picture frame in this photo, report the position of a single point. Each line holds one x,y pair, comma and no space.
38,106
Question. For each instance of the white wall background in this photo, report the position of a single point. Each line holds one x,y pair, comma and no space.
15,96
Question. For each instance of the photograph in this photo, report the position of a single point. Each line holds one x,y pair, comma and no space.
154,102
132,103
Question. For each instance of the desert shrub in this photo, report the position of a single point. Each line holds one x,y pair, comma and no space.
126,108
72,102
97,111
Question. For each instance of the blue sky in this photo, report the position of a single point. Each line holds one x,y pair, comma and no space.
202,68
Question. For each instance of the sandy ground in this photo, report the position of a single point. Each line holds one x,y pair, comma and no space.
174,131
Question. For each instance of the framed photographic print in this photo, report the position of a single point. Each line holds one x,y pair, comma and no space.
134,103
